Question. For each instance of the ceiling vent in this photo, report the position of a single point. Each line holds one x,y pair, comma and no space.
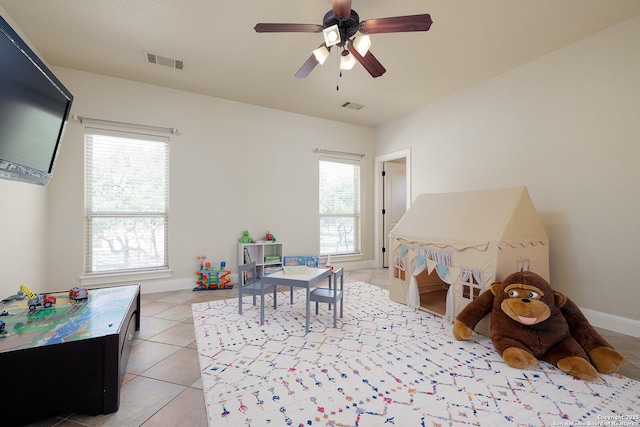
353,106
153,58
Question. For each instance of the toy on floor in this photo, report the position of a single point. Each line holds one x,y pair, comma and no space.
246,238
529,321
212,278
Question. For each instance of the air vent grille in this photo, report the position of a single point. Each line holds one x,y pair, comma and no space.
353,106
153,58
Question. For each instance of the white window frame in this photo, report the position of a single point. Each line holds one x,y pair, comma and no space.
157,269
400,267
472,287
355,214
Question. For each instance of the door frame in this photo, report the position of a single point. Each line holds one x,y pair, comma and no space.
378,188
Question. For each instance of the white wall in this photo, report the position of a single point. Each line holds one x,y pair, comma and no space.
233,167
566,126
23,251
23,212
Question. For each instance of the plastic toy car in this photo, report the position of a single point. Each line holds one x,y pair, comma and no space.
78,293
46,301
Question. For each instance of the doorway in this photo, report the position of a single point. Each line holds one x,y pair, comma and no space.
393,198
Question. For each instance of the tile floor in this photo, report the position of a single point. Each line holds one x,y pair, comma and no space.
162,386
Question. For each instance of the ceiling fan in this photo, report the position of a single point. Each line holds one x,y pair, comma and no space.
339,27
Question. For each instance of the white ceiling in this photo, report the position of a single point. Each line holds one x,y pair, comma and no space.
469,41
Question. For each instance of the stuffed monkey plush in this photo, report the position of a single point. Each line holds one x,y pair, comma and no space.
530,321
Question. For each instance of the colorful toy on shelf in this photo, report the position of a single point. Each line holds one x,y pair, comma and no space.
246,238
269,237
210,277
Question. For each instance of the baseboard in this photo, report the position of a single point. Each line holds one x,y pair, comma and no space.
167,285
354,265
611,322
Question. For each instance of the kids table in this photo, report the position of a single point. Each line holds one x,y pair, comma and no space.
299,279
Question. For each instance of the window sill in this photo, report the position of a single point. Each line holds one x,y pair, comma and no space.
340,258
130,277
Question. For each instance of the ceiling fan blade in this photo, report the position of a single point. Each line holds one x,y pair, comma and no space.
287,28
369,62
310,64
396,24
342,8
307,67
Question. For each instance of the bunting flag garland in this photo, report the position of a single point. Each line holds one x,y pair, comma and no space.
431,265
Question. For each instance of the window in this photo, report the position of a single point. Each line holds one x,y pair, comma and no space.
472,285
523,265
339,206
400,267
127,201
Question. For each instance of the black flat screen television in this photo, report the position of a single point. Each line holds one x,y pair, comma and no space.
34,109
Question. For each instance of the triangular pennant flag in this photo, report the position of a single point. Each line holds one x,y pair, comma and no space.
454,272
431,265
442,271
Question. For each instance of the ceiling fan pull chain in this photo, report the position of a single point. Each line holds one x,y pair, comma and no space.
339,74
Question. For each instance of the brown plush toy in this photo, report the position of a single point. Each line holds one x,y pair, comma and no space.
529,321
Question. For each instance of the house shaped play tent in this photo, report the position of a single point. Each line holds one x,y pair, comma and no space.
449,247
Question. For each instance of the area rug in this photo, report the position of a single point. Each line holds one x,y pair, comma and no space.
383,365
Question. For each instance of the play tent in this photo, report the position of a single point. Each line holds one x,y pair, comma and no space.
449,247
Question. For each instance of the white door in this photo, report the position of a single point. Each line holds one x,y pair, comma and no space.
394,200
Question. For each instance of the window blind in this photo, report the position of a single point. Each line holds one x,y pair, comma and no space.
126,201
339,206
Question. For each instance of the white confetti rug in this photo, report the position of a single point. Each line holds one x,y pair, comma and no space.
384,365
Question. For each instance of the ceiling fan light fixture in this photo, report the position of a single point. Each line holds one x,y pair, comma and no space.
341,26
321,54
362,44
347,61
331,35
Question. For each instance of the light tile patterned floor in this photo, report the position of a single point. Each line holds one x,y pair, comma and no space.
162,385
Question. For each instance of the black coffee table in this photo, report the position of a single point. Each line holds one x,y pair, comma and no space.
69,358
